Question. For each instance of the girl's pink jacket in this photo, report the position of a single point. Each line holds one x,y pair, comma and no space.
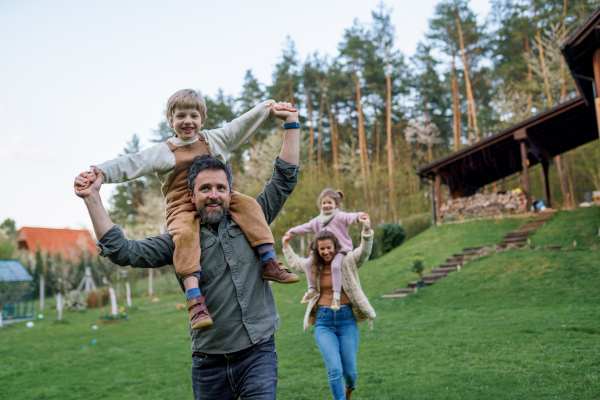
338,226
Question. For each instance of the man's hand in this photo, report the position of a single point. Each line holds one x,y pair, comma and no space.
286,239
284,111
365,220
88,183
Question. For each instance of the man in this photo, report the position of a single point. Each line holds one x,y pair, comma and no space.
235,357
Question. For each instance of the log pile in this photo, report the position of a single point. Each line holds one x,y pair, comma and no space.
483,205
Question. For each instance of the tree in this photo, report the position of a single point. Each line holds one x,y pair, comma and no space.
8,227
127,199
252,93
285,76
357,51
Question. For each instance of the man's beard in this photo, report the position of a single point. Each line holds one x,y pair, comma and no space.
212,216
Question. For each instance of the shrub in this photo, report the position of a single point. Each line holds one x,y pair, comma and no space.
92,301
74,301
415,224
105,297
390,236
418,265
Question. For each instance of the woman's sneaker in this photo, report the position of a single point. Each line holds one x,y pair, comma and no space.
199,316
308,296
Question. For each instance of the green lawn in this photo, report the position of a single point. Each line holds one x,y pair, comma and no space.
579,224
518,324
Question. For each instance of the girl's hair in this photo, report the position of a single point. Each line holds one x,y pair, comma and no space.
317,264
336,195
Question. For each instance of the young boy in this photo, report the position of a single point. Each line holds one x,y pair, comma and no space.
171,161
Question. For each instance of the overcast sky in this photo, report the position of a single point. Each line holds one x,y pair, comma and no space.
79,78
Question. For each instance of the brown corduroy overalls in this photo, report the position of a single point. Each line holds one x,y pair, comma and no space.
183,222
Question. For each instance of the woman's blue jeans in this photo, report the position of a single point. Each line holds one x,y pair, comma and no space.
336,334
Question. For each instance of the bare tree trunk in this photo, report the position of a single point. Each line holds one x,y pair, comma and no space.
429,144
128,293
470,101
456,105
529,72
311,149
150,279
572,198
1,322
563,98
361,141
59,305
542,58
334,142
291,89
42,291
320,142
113,300
376,139
390,149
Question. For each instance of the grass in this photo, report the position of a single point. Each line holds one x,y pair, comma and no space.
580,224
515,324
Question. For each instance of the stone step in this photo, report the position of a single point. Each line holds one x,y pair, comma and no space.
387,296
514,239
406,291
520,232
450,265
432,277
443,270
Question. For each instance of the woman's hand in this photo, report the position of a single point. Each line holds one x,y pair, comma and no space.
285,240
366,221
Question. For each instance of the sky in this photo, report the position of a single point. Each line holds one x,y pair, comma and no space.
79,78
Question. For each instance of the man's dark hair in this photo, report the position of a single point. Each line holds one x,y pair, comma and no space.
204,162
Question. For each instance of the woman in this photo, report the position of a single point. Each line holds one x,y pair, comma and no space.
336,332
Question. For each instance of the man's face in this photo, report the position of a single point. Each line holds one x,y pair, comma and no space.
211,195
186,122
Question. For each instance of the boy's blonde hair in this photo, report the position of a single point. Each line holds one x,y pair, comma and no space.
336,195
186,98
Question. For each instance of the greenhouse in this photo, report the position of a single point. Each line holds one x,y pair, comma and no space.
16,291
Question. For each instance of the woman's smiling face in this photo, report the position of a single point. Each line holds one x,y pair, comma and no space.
326,249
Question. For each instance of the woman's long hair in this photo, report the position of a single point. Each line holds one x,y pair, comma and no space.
318,262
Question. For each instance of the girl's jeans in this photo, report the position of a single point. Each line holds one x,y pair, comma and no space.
336,334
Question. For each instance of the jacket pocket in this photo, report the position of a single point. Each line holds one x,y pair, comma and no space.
244,252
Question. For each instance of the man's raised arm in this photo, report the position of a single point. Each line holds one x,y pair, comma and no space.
151,252
286,168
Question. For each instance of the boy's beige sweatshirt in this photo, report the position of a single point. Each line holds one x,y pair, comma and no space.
159,159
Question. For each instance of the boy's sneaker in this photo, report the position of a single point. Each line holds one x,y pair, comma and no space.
199,316
335,304
308,296
274,270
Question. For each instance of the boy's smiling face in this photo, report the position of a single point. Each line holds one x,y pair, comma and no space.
186,122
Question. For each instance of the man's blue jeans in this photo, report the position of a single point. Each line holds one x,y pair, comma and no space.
249,374
336,334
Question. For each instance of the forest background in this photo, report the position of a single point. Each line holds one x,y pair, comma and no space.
370,116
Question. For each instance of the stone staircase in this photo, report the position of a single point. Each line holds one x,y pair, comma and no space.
515,239
519,237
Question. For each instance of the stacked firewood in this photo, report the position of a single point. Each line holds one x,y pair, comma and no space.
483,205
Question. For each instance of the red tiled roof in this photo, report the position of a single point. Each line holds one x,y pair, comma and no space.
67,242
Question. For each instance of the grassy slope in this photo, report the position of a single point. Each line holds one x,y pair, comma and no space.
517,324
580,224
